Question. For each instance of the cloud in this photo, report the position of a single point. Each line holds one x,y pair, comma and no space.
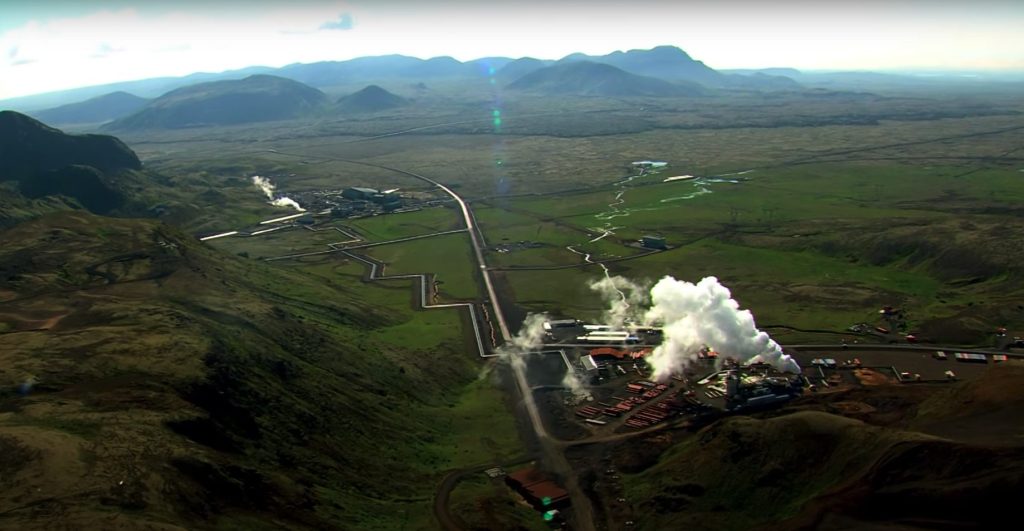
344,22
15,59
105,50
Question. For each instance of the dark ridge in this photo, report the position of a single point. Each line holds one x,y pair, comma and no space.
258,98
28,147
85,184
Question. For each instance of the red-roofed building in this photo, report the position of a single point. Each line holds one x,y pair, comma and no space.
644,352
537,489
607,352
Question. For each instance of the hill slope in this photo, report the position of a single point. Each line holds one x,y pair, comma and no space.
28,146
49,165
93,111
596,79
811,469
370,99
258,98
170,385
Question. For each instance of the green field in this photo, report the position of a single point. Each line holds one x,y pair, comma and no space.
448,257
400,225
816,246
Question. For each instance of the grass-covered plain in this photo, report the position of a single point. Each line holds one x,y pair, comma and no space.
448,257
814,246
404,224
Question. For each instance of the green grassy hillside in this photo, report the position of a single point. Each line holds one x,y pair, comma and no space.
150,378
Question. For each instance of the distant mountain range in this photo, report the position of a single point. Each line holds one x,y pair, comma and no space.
47,162
587,78
258,98
664,62
93,111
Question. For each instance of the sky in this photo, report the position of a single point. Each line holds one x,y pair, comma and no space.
49,45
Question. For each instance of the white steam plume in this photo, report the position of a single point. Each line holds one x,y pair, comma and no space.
529,338
264,185
705,314
287,202
268,188
625,299
576,387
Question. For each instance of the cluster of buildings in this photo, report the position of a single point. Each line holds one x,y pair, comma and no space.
352,201
759,385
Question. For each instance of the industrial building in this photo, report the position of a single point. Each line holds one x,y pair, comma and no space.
608,353
757,386
649,164
356,193
542,493
388,200
654,242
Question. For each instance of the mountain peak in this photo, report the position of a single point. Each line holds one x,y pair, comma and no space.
665,51
257,98
371,98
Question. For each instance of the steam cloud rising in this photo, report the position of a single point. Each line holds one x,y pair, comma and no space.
625,299
268,188
693,316
575,386
530,338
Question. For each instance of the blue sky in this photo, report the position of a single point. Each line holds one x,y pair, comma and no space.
58,44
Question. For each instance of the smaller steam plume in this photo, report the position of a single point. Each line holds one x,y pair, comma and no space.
575,386
625,298
529,338
268,188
